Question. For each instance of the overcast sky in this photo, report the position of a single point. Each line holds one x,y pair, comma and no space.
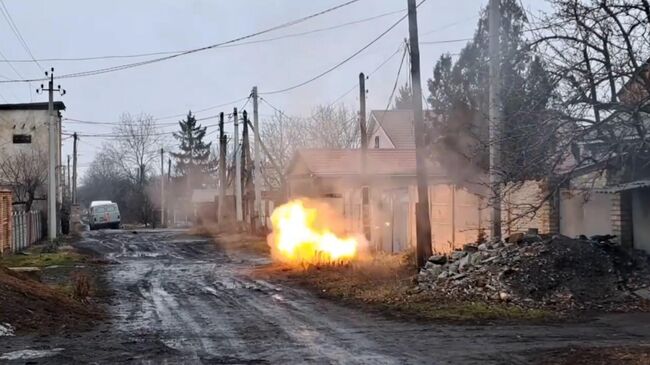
72,29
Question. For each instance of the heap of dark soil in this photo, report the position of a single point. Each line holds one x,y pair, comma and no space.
28,305
579,270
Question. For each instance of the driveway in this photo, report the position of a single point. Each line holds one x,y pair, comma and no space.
176,298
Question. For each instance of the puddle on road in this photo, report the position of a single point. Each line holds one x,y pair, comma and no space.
30,354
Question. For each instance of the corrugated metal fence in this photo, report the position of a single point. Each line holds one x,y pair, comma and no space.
27,229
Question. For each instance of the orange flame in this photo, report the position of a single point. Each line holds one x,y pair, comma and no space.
301,236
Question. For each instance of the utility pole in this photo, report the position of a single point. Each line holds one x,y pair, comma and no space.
162,188
494,125
169,184
69,178
74,168
238,199
245,158
222,168
365,190
257,171
422,222
52,148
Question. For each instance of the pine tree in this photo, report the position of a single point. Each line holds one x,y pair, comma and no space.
403,98
193,160
459,96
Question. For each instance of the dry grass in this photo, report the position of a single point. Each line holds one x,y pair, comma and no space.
37,257
387,283
82,286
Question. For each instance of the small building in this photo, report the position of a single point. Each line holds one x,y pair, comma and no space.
24,131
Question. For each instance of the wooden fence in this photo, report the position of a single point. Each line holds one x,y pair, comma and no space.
5,222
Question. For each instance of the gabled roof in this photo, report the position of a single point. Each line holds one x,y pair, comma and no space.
58,105
336,162
398,126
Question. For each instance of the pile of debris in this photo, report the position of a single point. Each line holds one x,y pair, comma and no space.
551,272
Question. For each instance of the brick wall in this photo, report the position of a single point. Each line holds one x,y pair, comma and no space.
523,207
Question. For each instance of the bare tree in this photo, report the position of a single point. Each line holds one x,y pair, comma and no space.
598,52
328,127
136,146
26,173
124,167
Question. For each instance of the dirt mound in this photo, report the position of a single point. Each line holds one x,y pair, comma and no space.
558,272
27,305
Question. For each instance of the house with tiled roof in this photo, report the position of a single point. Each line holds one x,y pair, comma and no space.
391,129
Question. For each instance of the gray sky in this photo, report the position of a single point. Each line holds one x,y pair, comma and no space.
68,29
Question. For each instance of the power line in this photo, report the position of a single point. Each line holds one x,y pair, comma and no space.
85,121
447,41
191,51
14,28
399,71
342,62
159,53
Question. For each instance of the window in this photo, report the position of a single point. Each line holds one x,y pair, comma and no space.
22,138
376,141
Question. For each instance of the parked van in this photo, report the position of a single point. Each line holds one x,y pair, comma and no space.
103,214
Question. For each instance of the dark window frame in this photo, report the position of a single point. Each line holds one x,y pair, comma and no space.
22,138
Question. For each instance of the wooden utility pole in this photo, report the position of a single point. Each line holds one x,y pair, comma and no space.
245,157
237,150
162,188
365,191
74,168
222,169
422,222
69,180
169,184
257,171
495,115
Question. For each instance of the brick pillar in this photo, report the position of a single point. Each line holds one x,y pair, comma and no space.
621,216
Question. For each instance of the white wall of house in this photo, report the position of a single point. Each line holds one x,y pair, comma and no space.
32,123
585,213
380,136
23,122
641,219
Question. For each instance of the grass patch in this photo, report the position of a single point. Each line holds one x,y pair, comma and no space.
36,257
387,283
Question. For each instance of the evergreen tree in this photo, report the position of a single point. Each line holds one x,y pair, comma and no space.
459,97
193,160
403,98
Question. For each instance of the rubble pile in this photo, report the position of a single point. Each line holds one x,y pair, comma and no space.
532,271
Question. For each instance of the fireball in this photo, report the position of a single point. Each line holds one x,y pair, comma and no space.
301,236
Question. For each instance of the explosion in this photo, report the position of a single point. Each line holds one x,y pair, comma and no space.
303,234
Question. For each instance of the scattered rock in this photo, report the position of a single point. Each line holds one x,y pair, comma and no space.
643,293
470,247
438,259
515,237
505,297
483,247
433,269
457,255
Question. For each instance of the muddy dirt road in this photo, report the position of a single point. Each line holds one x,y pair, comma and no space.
180,299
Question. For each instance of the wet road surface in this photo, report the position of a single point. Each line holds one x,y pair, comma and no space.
180,299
